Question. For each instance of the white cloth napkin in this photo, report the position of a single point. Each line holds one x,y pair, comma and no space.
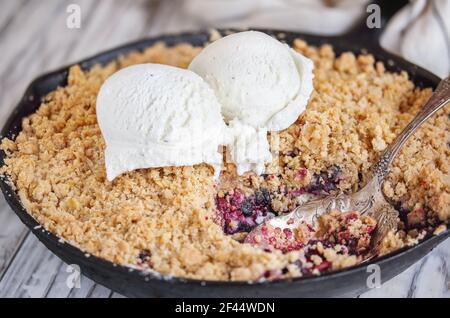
324,17
420,32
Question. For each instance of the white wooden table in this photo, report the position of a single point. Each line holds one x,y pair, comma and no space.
34,39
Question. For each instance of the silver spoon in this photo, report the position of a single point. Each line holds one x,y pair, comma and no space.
370,199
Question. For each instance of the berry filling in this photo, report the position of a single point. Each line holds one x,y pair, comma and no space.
325,181
337,234
144,259
349,229
240,213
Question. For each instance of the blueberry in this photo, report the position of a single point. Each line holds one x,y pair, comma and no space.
247,207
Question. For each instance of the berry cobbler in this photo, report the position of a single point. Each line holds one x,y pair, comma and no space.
181,221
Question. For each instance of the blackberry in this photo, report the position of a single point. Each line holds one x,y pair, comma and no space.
325,181
244,227
262,197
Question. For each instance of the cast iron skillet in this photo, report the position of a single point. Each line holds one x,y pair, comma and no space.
348,282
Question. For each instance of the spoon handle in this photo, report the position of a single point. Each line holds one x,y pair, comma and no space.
439,99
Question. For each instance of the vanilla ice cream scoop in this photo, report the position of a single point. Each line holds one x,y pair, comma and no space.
154,115
259,82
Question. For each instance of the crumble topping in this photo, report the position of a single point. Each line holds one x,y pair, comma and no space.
176,221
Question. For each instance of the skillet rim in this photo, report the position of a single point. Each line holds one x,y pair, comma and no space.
340,44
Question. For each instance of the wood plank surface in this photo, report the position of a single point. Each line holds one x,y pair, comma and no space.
34,39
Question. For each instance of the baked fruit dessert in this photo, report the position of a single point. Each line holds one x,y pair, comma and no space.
181,221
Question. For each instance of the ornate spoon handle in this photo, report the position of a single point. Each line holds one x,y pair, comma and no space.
438,100
370,199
